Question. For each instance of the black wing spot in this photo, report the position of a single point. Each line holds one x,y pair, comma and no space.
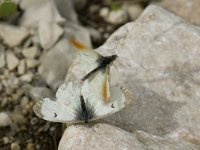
112,106
55,114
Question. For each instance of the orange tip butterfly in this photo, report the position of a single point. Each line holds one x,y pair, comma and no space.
75,103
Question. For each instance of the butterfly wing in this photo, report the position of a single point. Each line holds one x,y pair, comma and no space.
64,108
118,99
88,58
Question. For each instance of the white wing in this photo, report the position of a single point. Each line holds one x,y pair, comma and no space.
87,56
118,99
63,109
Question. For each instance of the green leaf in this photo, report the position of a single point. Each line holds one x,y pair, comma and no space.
7,8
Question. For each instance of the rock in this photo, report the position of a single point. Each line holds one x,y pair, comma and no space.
49,33
158,62
15,146
32,63
103,136
4,119
26,77
30,52
98,137
46,12
187,9
6,140
39,93
12,35
18,118
25,4
134,10
2,60
11,60
66,9
21,67
117,16
104,12
55,63
30,146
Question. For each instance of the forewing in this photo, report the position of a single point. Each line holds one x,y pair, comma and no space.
87,56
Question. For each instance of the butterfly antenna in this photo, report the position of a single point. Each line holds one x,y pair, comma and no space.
116,67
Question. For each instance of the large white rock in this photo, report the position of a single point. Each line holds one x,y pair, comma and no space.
159,63
44,12
12,35
103,136
49,33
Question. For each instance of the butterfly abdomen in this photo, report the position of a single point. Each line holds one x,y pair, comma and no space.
85,111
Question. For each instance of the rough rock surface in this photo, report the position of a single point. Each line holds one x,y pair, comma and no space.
103,136
11,35
187,9
159,63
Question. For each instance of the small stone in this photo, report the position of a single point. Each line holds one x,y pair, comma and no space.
117,17
21,67
30,146
27,77
30,52
15,146
104,12
12,35
18,118
6,140
49,33
24,101
2,60
32,63
4,119
134,11
12,61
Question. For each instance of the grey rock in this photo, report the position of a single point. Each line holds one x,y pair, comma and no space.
66,9
12,35
38,93
11,60
2,59
26,77
103,136
158,62
117,16
104,12
187,9
55,63
5,119
21,67
46,12
15,146
49,33
32,63
30,52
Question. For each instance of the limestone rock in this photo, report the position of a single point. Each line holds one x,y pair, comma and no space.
158,62
187,9
4,119
30,52
46,12
21,67
38,93
103,136
12,35
11,60
2,60
32,63
49,33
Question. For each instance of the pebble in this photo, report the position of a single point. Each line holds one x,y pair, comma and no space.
30,146
30,52
11,60
2,60
6,140
24,101
18,118
134,11
27,77
15,146
32,63
4,119
21,67
104,12
117,17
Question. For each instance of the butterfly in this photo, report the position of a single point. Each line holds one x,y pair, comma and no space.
96,66
76,103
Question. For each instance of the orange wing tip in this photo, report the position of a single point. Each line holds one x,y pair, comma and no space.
77,44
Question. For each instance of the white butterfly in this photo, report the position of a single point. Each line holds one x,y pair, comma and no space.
96,68
75,104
